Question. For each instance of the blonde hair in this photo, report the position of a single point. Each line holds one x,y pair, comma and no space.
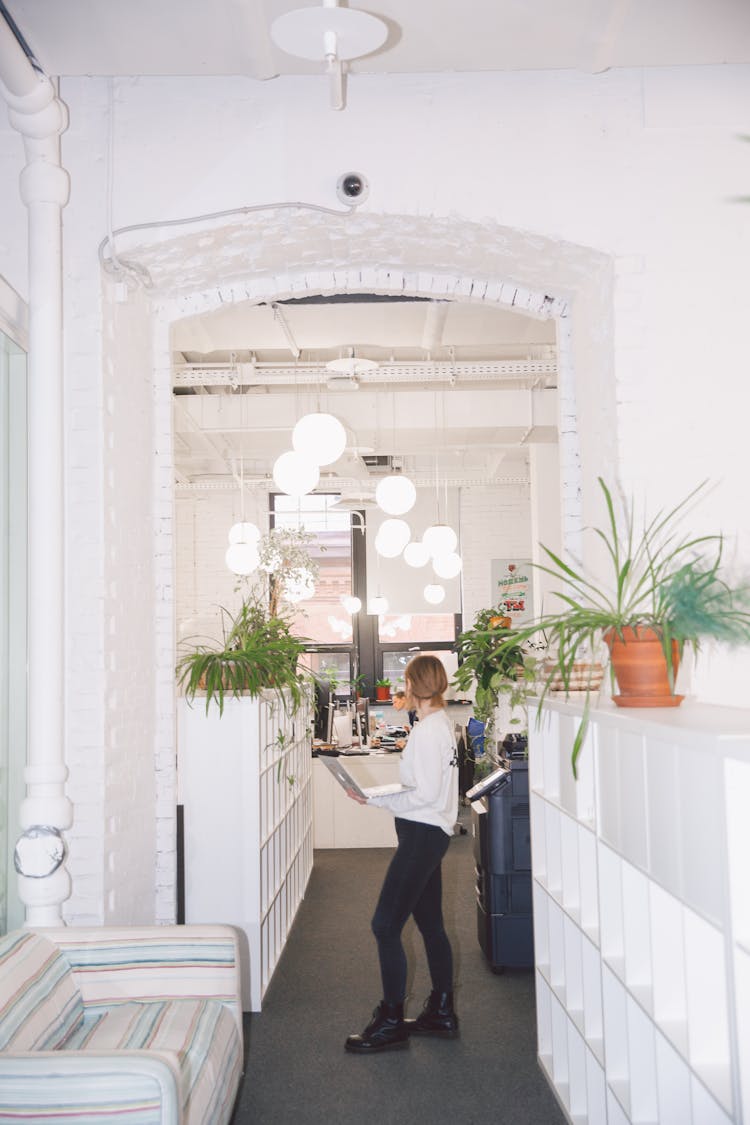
426,678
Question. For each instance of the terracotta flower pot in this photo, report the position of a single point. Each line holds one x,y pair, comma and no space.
382,693
641,668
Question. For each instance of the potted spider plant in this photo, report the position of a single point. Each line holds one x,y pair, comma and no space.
490,658
258,650
383,690
665,590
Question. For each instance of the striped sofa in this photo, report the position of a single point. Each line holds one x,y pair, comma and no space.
138,1025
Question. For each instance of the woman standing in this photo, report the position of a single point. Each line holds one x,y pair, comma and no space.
425,814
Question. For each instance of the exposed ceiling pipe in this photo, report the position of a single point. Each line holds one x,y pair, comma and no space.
282,374
36,112
434,324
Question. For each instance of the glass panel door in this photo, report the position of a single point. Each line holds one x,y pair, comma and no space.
12,617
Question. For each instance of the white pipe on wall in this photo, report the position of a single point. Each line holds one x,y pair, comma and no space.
40,117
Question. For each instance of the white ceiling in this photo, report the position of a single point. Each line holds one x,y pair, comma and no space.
469,385
449,386
195,37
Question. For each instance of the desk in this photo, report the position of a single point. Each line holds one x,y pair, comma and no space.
339,822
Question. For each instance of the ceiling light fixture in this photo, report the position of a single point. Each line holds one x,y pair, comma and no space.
244,533
396,495
242,554
294,474
448,565
332,35
242,558
416,554
320,438
392,537
377,605
440,539
350,366
351,603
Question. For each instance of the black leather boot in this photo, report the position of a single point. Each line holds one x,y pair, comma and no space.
436,1018
385,1031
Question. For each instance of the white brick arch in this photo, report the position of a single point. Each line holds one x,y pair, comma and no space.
272,256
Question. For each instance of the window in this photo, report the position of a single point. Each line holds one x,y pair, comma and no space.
322,619
358,647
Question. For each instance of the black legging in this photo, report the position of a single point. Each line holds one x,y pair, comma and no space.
413,885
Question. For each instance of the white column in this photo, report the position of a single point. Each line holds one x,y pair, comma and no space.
38,114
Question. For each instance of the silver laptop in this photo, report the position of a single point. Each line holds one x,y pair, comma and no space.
346,781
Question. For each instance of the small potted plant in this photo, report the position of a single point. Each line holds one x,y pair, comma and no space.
383,690
665,590
357,686
491,660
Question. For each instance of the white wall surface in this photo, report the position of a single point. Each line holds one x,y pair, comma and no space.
611,192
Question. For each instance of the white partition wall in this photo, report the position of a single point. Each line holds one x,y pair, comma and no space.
245,784
642,913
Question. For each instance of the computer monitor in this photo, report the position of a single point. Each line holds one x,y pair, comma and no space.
322,709
363,721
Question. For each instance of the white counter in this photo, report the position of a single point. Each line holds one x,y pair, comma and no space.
642,913
339,822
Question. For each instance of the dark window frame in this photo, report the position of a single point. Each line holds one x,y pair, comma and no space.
365,648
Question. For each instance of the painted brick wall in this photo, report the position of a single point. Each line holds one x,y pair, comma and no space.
495,524
607,200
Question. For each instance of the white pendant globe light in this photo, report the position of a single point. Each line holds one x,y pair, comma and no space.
299,589
396,495
377,605
242,558
351,603
244,533
294,474
320,438
440,539
416,554
434,594
392,537
447,566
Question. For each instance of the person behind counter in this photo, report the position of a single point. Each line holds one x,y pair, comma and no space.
425,817
401,703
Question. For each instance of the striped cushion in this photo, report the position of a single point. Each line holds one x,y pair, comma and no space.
180,963
40,1006
117,1095
200,1034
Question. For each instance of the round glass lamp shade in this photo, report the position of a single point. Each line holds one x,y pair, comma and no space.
320,438
416,554
299,589
294,474
351,603
396,495
434,594
440,539
242,558
447,566
392,537
378,605
244,533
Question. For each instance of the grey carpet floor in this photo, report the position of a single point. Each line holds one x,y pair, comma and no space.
326,985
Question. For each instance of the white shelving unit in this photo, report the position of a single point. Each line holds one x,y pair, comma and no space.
245,784
642,913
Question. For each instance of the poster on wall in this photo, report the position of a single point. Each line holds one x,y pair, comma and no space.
511,588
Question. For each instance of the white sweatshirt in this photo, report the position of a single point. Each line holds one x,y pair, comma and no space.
429,763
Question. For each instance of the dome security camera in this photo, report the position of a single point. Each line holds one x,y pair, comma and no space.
352,188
